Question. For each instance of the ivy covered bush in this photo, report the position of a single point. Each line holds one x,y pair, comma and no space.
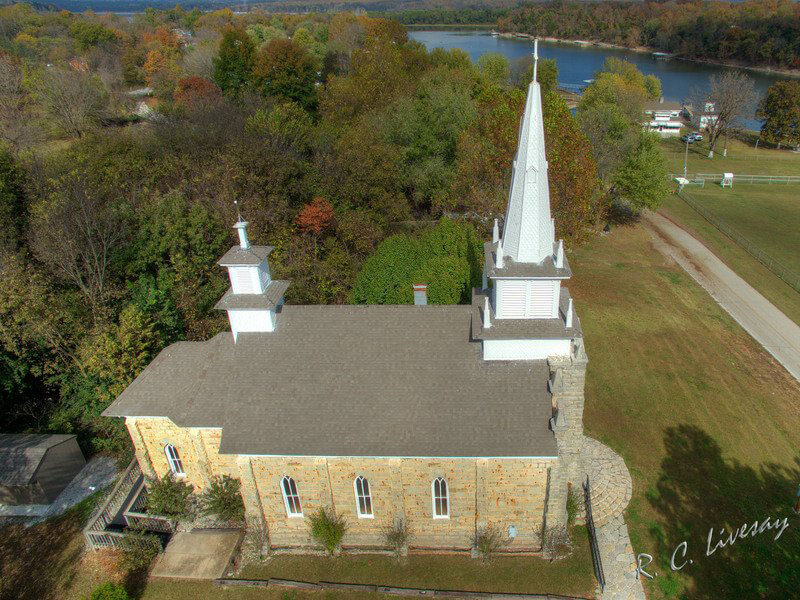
328,529
448,257
169,497
223,499
109,591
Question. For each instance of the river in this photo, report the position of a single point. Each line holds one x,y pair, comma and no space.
579,63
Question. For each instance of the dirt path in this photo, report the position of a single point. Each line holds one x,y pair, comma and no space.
779,335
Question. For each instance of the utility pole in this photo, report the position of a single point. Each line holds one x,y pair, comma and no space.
686,157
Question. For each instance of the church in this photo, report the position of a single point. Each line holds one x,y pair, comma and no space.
449,418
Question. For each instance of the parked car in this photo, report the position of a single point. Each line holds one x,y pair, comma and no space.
688,138
698,137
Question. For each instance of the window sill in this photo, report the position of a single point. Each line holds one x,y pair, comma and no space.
441,517
300,516
366,516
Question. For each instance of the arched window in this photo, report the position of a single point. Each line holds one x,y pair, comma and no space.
363,497
174,459
441,498
291,498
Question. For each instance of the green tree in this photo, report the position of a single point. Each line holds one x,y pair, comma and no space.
780,111
13,209
641,179
495,68
386,276
169,497
222,498
283,69
234,63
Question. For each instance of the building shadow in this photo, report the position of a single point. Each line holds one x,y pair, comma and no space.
699,490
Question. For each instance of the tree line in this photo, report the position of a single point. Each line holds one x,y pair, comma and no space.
753,32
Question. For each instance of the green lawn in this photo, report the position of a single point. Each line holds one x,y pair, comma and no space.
707,422
767,215
520,574
743,158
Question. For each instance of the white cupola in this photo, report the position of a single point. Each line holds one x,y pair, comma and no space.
254,298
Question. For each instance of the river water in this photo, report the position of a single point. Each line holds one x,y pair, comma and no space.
579,63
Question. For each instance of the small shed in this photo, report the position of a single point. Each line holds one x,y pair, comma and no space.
35,468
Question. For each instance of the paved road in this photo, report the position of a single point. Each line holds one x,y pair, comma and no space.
779,335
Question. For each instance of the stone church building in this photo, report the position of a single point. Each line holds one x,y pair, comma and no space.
452,418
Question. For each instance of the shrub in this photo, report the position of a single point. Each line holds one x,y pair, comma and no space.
572,505
397,536
139,548
487,541
556,543
328,529
169,497
223,499
109,591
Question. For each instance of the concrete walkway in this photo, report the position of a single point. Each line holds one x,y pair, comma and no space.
199,554
777,333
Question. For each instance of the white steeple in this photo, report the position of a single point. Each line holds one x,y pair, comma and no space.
528,233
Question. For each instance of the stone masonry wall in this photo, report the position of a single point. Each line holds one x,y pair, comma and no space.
497,492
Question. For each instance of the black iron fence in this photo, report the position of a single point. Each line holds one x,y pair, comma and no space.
598,564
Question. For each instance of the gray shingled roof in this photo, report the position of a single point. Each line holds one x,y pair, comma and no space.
546,268
351,381
20,455
238,257
524,329
266,301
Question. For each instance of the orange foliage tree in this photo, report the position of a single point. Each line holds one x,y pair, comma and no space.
315,217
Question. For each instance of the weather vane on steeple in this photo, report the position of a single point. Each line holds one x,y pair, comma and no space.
238,213
535,56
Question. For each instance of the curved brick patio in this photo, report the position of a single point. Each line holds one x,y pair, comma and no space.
610,480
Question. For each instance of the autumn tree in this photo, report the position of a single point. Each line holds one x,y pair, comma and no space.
283,69
194,91
779,109
16,123
731,95
74,101
234,63
315,217
575,201
77,231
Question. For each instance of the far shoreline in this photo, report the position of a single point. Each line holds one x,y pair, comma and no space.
482,28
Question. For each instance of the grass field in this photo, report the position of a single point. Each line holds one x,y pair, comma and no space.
743,158
767,216
707,421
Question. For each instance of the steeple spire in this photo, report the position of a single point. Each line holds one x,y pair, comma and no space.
528,232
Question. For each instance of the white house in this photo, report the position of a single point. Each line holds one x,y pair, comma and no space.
663,117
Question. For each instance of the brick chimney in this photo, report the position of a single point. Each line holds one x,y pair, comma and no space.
420,294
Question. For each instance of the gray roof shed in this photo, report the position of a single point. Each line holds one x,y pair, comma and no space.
35,468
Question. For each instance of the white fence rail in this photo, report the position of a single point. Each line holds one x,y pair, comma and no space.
717,178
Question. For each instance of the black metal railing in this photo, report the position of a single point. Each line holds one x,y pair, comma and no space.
598,564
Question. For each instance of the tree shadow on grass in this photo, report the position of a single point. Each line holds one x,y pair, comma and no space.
698,490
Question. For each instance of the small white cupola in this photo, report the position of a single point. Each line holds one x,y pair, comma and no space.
253,300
